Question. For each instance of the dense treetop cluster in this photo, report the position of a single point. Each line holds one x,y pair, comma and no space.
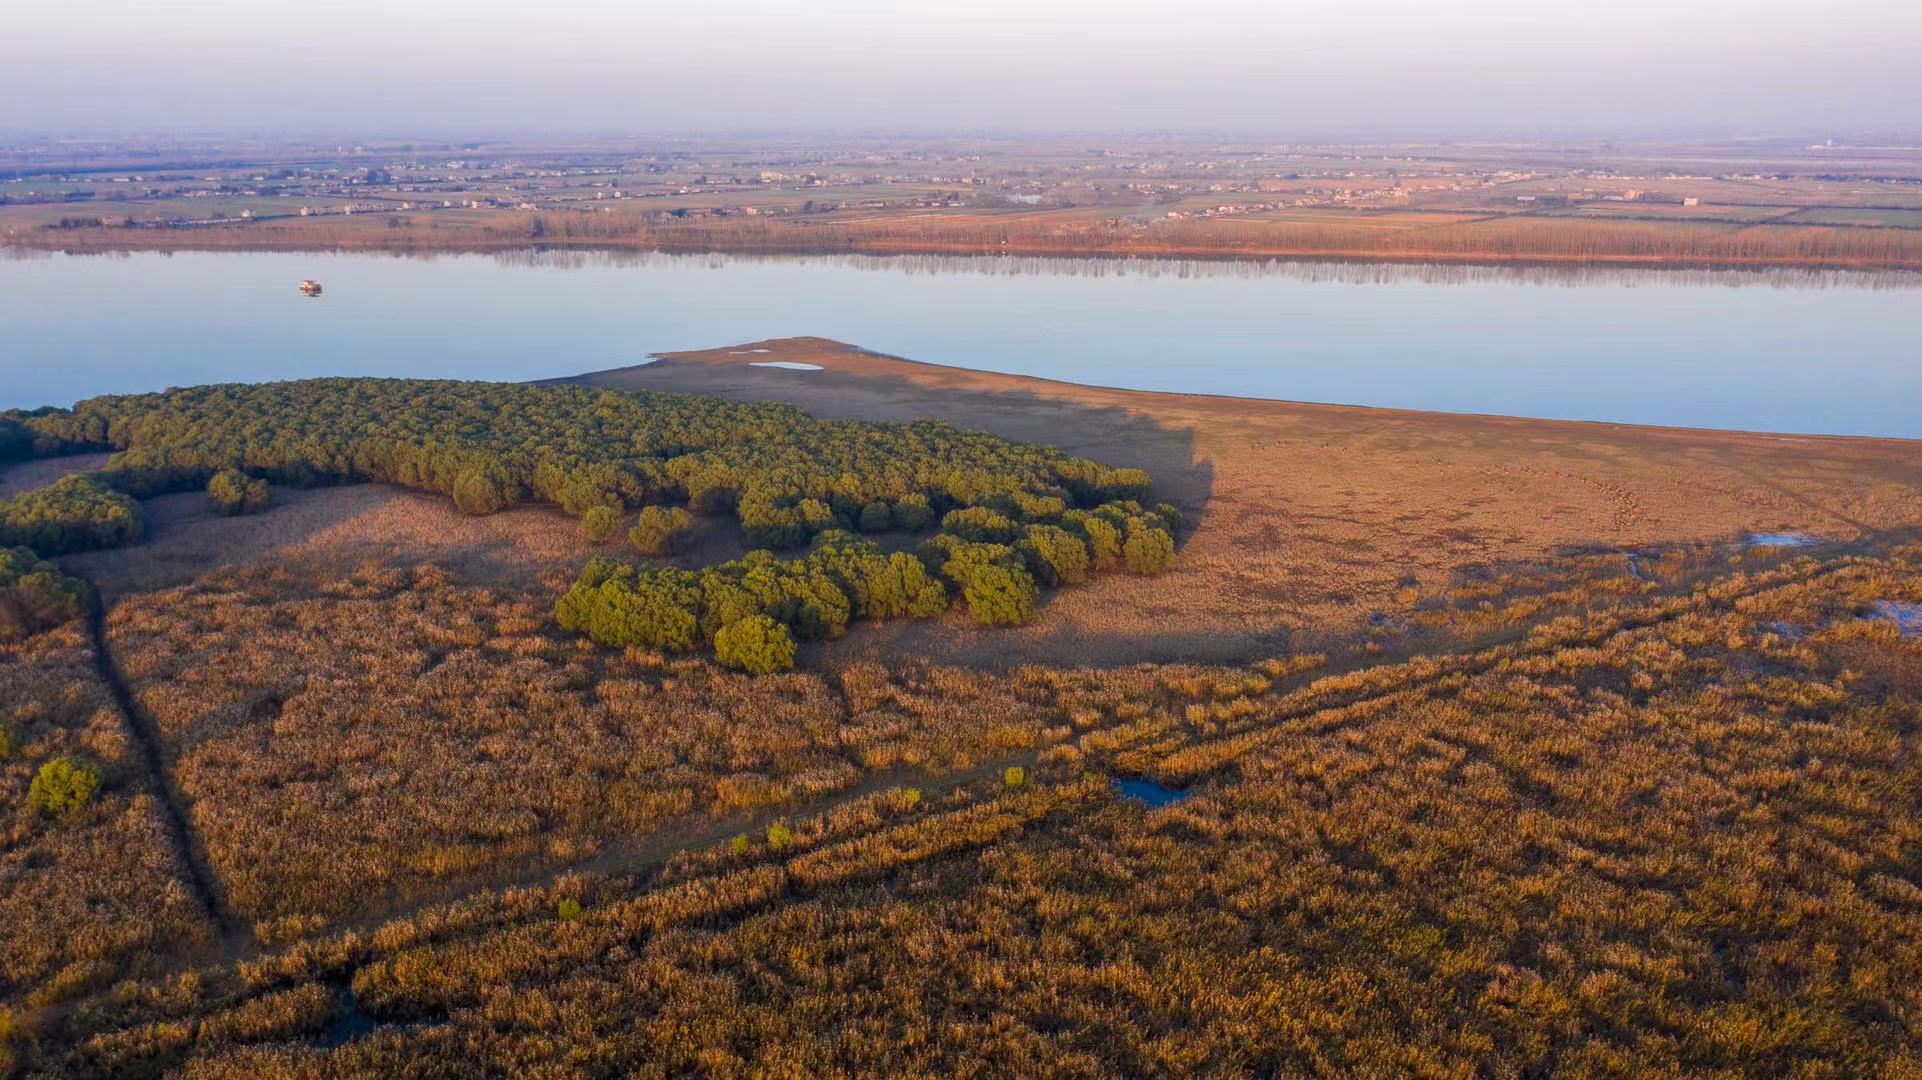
488,445
1012,517
74,513
995,563
16,438
35,595
233,492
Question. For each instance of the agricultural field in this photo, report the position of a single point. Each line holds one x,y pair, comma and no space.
1878,217
409,724
1809,206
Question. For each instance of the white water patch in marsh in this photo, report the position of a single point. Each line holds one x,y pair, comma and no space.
1905,614
1782,539
786,365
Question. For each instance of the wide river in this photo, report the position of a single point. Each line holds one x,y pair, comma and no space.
1797,352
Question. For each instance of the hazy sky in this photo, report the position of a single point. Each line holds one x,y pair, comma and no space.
112,66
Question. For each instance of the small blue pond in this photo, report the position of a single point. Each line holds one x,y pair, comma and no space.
1149,792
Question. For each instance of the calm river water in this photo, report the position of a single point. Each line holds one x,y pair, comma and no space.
1800,352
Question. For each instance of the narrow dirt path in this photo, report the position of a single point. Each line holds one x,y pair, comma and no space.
146,734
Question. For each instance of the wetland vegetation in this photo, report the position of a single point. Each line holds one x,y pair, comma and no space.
712,783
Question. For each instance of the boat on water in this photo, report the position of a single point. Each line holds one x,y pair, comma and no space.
310,287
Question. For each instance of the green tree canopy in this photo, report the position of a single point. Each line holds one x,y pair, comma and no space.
35,595
757,645
600,523
74,513
660,530
64,784
1000,596
234,492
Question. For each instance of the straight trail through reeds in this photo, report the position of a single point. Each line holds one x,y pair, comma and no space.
200,877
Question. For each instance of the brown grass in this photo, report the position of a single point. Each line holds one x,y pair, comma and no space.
1669,832
1676,837
341,526
99,894
353,744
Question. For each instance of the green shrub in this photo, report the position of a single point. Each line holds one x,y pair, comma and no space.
980,524
1055,556
480,490
234,492
1014,776
568,909
35,595
739,845
912,513
1000,596
779,835
16,440
1149,549
660,530
757,645
816,516
882,586
876,517
601,523
64,784
931,601
9,741
1124,483
1171,519
74,513
1104,541
957,559
1031,507
657,612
